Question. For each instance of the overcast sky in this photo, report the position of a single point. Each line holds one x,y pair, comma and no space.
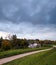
29,19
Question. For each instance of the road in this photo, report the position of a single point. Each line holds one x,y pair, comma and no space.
8,59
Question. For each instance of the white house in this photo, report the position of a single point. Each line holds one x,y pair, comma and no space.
34,45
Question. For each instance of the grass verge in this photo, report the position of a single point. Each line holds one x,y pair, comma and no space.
42,58
18,51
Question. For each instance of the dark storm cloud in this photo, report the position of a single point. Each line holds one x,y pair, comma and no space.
35,11
29,18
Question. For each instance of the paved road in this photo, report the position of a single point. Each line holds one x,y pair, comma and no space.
8,59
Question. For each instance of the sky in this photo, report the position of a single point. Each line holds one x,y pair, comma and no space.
30,19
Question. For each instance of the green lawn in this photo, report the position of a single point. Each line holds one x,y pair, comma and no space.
18,51
42,58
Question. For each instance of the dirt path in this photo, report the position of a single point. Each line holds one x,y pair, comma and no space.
8,59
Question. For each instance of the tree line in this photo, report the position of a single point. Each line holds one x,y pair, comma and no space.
15,43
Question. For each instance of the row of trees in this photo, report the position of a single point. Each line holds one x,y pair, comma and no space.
13,42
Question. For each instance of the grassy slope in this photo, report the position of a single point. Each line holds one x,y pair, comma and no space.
43,58
17,51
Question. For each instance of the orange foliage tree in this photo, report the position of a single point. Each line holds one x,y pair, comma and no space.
6,44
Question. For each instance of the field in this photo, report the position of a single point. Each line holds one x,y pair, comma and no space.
18,51
42,58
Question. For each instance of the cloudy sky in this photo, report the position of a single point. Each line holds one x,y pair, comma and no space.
29,19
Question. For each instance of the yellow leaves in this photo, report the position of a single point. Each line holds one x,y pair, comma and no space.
6,44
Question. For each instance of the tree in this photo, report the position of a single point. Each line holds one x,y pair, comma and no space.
14,41
1,39
24,43
6,45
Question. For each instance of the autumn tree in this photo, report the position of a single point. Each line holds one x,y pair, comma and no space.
6,44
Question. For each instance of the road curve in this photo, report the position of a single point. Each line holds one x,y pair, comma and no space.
8,59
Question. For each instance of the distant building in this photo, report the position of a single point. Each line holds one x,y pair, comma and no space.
34,45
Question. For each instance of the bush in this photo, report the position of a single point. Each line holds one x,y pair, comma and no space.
47,45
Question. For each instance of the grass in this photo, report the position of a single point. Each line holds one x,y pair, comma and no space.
18,51
42,58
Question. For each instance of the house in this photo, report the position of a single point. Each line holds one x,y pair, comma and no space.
34,45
